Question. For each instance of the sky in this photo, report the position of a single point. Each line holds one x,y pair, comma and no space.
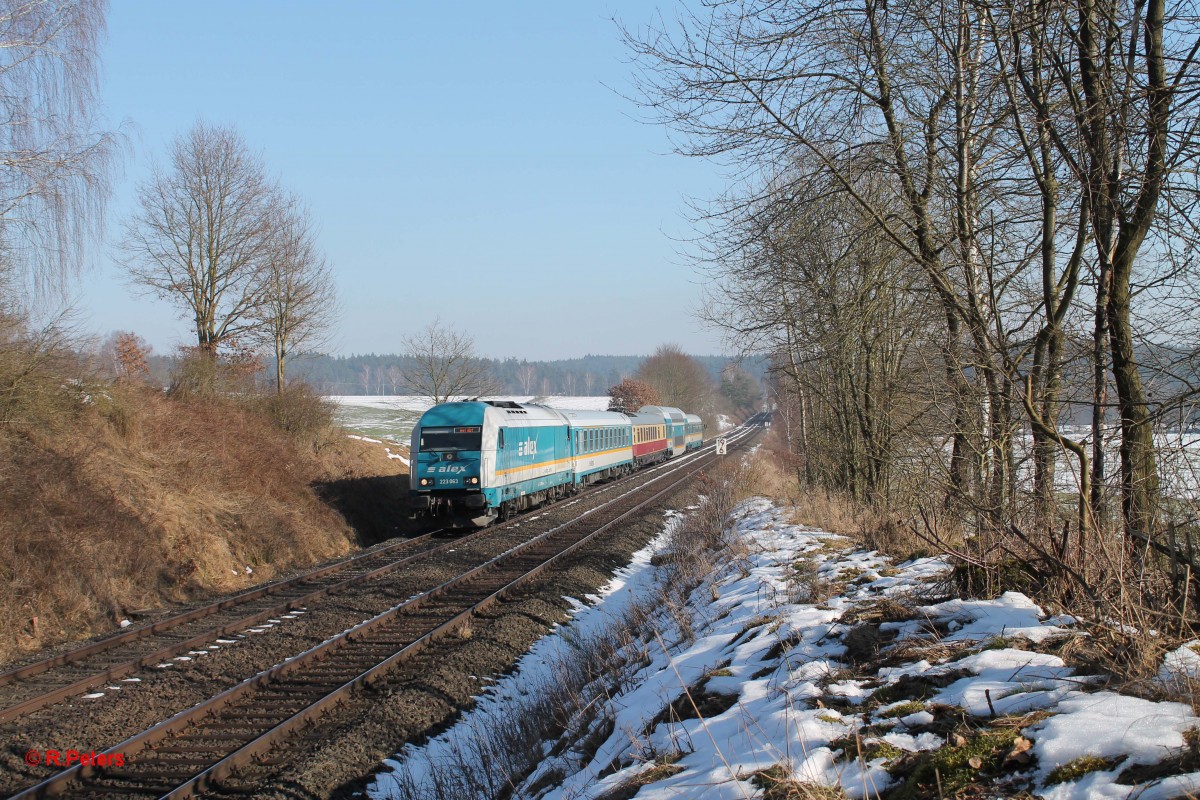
473,162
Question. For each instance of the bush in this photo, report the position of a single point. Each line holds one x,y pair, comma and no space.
37,372
299,412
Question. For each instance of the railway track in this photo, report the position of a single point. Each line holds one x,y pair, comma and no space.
41,683
197,748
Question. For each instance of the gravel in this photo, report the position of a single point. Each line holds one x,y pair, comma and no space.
348,747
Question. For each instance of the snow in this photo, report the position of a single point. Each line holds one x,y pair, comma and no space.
420,404
388,420
1110,725
780,657
1180,670
537,665
1013,614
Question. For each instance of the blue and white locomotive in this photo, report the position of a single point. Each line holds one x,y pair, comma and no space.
478,461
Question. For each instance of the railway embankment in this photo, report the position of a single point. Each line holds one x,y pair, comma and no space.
342,742
118,503
759,657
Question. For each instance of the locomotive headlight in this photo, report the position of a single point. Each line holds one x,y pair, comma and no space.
426,481
473,481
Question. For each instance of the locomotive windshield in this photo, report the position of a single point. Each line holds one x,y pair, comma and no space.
457,438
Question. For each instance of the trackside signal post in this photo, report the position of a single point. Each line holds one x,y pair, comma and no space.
722,446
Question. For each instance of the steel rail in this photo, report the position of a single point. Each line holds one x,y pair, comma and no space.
267,741
162,626
111,672
176,724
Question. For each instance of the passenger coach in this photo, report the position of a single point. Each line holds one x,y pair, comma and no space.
694,432
674,422
603,445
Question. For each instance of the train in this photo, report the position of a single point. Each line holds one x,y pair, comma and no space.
480,461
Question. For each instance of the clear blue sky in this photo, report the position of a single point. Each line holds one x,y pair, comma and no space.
474,161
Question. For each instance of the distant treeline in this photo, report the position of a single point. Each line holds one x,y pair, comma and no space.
590,375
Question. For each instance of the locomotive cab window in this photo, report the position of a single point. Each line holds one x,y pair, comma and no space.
451,439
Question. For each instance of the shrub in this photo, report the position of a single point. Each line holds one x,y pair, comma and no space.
299,412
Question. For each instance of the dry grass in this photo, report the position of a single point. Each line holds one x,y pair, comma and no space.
115,498
776,783
573,710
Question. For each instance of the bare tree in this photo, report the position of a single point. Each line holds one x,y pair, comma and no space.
298,306
55,162
204,233
1134,124
446,364
395,377
527,375
678,379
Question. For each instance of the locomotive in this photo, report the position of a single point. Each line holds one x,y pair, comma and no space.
478,461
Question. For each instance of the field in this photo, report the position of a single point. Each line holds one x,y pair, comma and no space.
393,416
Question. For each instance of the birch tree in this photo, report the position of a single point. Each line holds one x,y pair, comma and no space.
55,157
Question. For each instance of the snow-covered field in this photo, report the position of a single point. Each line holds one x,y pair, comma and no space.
1178,453
779,645
393,416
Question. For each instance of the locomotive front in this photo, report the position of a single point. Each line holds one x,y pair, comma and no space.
447,467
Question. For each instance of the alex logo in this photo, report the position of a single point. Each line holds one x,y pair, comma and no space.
452,469
527,448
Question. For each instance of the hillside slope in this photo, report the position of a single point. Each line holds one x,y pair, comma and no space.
131,501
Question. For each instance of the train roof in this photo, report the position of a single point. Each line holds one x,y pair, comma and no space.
473,412
587,418
665,413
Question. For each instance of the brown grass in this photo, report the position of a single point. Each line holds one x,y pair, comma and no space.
132,500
